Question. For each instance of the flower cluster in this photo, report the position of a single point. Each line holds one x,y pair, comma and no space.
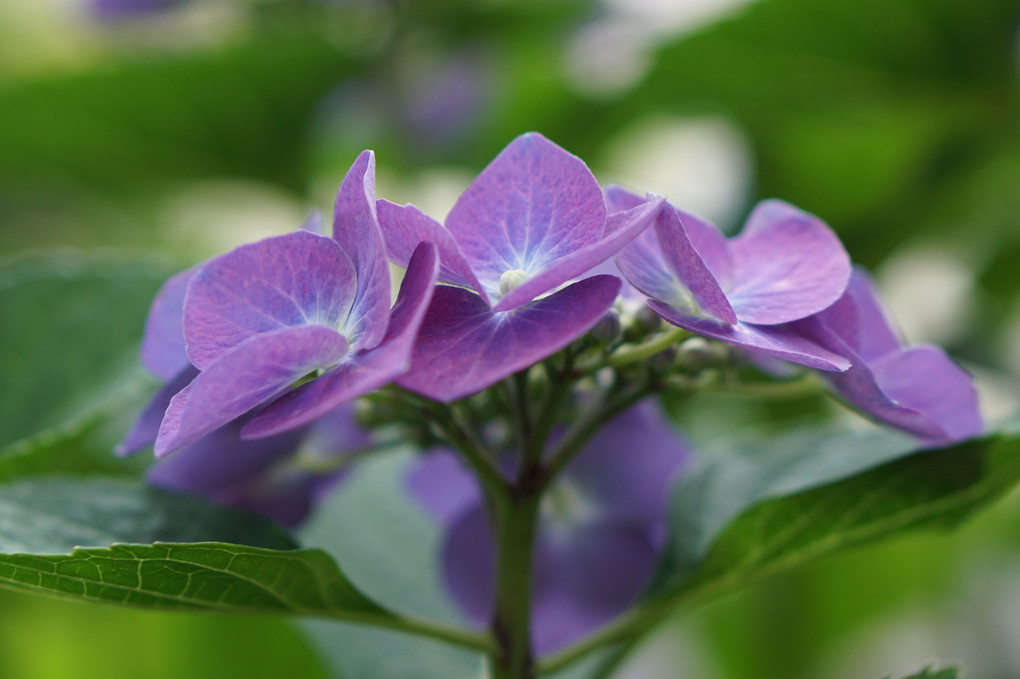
264,349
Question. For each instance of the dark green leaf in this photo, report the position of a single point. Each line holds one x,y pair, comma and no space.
72,324
783,510
55,515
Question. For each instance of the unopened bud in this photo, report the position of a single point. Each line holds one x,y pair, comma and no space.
648,319
662,361
608,328
697,354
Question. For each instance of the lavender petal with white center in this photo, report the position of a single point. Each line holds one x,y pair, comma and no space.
464,346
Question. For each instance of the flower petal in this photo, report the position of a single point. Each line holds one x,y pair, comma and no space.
621,228
858,318
405,226
356,229
776,341
464,346
163,351
245,377
628,468
469,564
441,484
366,370
146,427
292,280
787,265
532,205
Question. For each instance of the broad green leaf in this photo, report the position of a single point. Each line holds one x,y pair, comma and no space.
71,327
53,515
206,576
793,518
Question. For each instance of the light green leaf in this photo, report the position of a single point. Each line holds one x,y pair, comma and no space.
932,673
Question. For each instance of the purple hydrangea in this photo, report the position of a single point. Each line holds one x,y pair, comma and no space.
785,265
533,220
916,388
280,477
256,320
607,508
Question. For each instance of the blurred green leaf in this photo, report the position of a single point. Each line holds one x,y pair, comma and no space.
932,673
71,327
53,515
794,508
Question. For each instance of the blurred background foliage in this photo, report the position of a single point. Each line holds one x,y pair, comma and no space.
151,133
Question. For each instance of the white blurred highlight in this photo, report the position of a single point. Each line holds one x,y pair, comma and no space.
702,165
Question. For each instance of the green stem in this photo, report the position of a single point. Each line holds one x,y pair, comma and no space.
424,628
511,624
626,355
561,382
802,386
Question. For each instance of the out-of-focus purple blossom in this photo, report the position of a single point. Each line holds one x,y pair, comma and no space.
280,477
916,388
601,528
533,220
258,319
784,266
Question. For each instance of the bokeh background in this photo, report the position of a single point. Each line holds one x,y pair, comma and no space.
153,133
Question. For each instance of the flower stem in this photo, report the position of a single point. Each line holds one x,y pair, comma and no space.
632,354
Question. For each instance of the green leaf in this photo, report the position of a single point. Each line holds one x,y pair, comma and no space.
932,673
210,576
55,515
797,508
70,347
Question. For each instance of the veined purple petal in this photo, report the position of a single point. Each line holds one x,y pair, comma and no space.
712,245
405,226
621,228
532,205
619,199
292,280
244,377
858,318
925,379
776,341
787,265
627,469
688,265
356,229
645,267
441,483
313,222
163,352
364,371
464,346
146,427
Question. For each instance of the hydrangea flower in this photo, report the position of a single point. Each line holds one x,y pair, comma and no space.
916,388
280,477
785,265
533,220
608,508
258,319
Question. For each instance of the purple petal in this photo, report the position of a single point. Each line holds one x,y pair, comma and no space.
146,427
313,223
405,226
356,229
441,483
464,346
292,280
712,245
532,205
163,351
787,265
689,266
619,199
923,378
628,468
469,564
776,341
364,371
858,318
621,228
597,572
244,377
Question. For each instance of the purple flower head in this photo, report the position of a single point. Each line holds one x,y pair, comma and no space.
280,477
599,535
784,266
533,220
258,319
917,388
